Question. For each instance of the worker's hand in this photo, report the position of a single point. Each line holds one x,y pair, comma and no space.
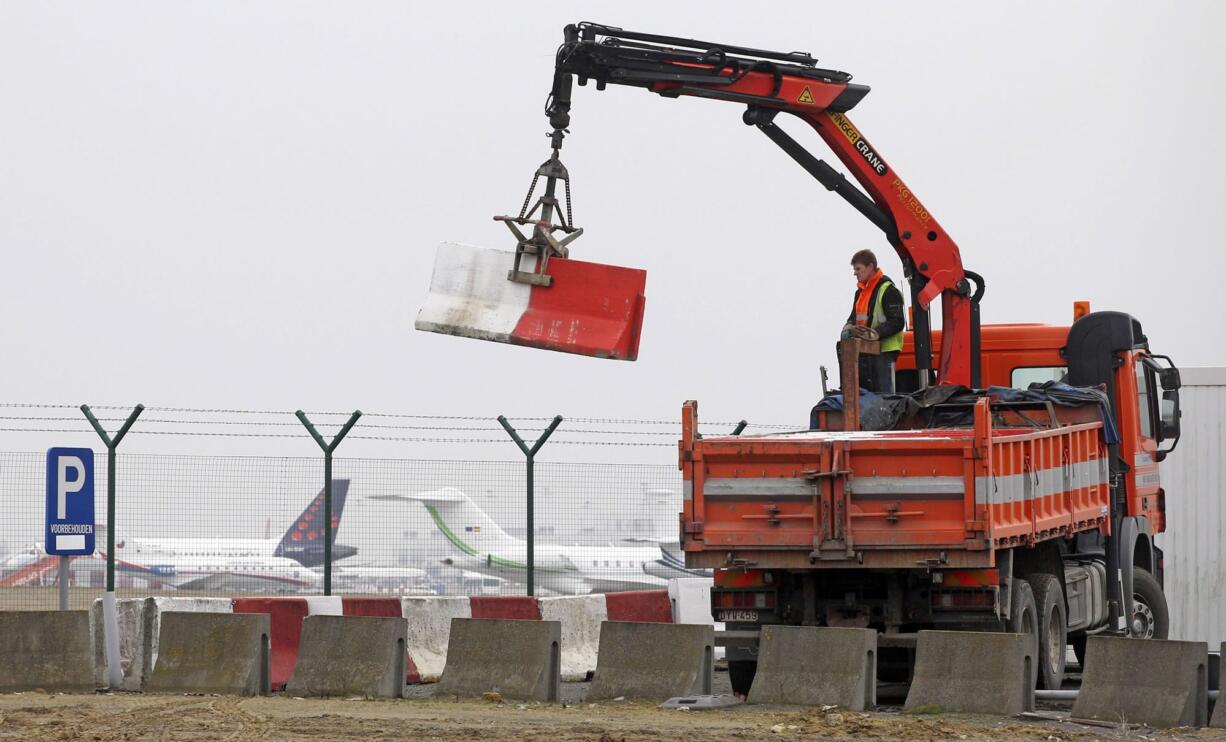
849,331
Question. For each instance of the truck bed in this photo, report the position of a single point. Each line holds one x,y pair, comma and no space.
888,499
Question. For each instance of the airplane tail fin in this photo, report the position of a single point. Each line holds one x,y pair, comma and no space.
304,541
465,525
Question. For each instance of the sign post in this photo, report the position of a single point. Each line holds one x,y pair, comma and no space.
70,509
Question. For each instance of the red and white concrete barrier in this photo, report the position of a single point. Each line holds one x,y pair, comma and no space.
590,309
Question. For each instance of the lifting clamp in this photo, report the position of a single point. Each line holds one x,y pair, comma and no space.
540,217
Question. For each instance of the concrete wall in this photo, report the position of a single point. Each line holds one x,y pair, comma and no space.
1194,478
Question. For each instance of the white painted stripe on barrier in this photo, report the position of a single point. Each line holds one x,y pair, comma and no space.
691,599
580,616
470,295
325,605
429,628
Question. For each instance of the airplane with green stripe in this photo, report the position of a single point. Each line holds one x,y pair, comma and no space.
480,545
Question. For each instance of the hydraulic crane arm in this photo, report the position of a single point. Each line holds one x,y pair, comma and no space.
769,83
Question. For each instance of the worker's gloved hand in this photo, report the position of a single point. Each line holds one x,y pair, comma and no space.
849,331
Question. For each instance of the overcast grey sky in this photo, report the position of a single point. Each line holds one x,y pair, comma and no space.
236,204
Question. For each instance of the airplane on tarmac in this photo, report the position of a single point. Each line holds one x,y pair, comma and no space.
242,565
220,564
480,545
302,542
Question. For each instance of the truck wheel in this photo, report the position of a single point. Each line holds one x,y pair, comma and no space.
740,674
1152,619
1053,629
1022,615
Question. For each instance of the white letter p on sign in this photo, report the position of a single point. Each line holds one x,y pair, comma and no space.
65,486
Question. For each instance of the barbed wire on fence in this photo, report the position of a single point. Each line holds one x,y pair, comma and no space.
391,427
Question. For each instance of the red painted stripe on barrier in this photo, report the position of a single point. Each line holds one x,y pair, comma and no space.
505,606
650,606
591,309
285,625
382,608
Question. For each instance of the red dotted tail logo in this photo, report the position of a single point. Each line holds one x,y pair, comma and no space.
296,536
336,522
303,525
312,535
314,506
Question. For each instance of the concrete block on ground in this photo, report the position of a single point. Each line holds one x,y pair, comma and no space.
139,667
52,650
1144,681
974,672
519,659
382,608
580,616
224,653
653,661
285,622
813,666
350,656
1219,709
429,627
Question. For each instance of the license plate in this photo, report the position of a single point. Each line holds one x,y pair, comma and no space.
738,616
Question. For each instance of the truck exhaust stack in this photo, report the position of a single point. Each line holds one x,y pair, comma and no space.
590,309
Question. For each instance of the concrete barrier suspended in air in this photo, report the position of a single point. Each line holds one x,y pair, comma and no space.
589,309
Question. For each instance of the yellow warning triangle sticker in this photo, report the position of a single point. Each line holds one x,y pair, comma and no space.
805,96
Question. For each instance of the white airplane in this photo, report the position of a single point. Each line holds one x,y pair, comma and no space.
302,542
480,545
240,565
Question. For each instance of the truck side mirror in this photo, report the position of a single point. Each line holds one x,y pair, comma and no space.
1168,423
1169,379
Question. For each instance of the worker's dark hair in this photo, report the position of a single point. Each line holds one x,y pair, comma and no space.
864,257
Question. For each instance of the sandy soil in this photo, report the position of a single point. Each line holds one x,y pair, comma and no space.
103,717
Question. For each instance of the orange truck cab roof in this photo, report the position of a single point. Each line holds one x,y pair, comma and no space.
1003,348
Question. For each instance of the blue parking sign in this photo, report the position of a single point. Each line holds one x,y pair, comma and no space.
70,501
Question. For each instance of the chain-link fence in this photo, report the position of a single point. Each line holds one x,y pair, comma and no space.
453,524
227,525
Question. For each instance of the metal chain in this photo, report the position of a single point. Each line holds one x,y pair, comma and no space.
523,211
570,220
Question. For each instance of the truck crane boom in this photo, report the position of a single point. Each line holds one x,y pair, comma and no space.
767,83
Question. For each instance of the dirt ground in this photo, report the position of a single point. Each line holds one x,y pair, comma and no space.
120,716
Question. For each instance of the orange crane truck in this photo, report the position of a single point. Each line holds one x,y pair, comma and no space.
963,501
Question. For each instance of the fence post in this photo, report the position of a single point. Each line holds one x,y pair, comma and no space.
328,448
530,456
110,616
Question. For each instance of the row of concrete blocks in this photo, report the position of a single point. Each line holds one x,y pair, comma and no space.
1161,683
1155,682
360,656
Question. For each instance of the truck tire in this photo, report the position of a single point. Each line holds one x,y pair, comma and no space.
1023,617
1053,629
1153,618
740,675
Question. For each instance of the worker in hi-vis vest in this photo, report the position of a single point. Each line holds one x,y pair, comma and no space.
878,306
